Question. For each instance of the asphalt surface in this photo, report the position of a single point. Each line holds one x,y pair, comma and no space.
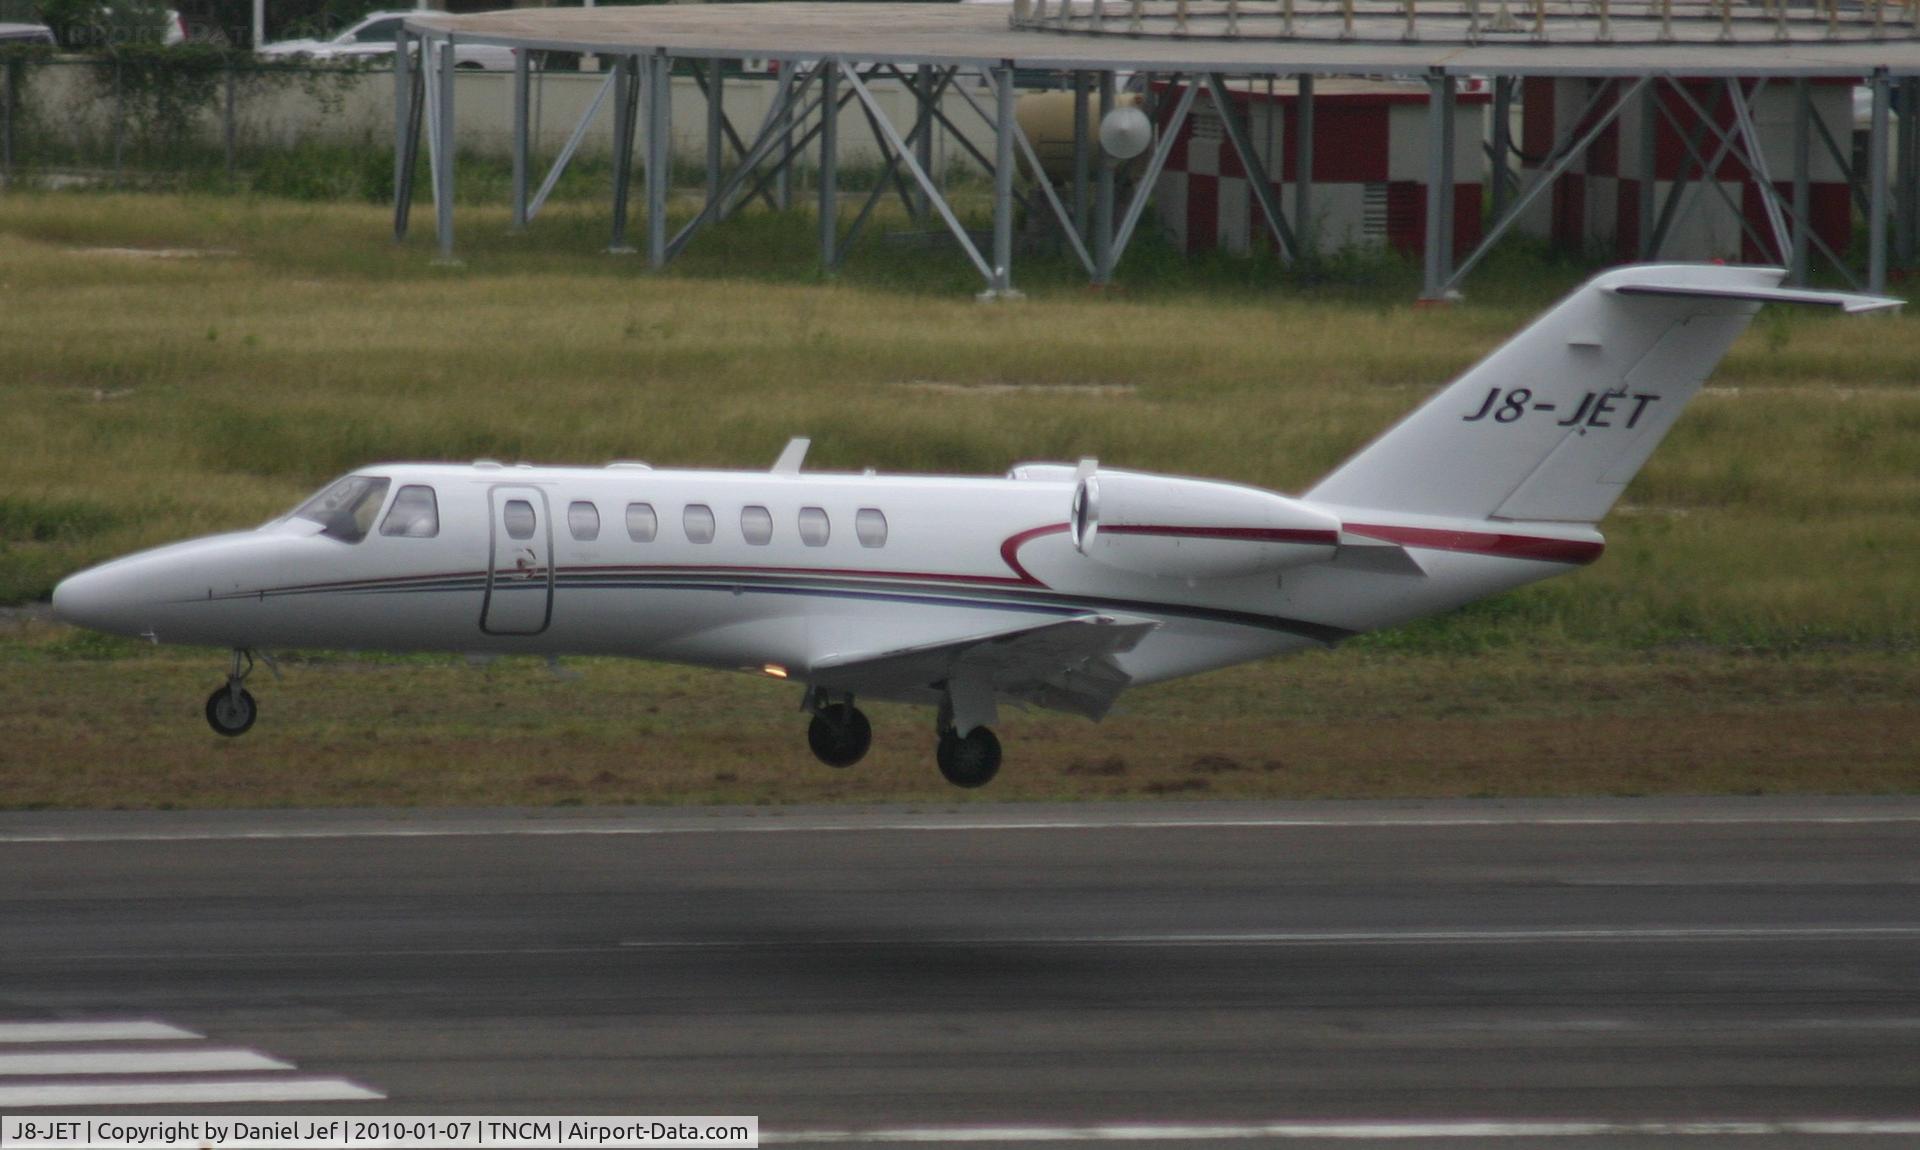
1610,972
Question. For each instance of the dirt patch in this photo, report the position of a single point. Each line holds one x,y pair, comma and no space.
101,394
1176,787
159,253
1735,391
1087,389
1110,767
1215,765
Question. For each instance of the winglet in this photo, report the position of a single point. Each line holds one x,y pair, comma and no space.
792,456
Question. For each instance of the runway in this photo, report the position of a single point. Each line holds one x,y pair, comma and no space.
1581,973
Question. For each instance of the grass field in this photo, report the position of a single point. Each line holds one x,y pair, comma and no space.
92,723
1753,625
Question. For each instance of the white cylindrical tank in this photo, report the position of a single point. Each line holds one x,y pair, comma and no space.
1195,528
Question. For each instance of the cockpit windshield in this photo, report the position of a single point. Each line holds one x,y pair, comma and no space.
347,507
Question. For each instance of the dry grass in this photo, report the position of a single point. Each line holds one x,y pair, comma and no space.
344,731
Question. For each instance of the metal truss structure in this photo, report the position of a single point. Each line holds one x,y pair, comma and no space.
829,67
1479,21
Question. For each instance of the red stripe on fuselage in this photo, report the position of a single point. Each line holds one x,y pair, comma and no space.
1545,548
1577,551
1236,534
1010,550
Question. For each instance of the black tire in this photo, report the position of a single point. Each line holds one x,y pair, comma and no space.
231,713
971,761
840,735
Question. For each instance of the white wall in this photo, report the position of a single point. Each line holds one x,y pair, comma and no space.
67,102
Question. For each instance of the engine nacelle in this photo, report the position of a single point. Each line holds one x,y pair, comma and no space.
1194,528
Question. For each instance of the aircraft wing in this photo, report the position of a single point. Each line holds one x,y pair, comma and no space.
1063,665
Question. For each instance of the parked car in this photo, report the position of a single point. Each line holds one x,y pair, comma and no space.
25,34
372,38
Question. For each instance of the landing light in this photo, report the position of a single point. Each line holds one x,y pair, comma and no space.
774,671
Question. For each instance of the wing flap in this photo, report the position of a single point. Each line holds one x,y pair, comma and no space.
1063,665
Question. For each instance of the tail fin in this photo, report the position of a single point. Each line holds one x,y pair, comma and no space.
1554,423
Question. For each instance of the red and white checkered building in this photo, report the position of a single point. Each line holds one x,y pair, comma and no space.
1369,167
1596,204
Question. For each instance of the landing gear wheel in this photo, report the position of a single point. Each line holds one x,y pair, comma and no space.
839,735
971,761
231,711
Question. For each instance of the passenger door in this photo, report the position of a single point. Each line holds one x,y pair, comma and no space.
519,599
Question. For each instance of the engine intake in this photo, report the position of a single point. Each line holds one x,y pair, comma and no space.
1195,528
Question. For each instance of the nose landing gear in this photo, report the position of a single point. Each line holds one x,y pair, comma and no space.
231,709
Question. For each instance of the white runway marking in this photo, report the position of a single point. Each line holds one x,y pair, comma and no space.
1293,1131
938,825
1196,940
174,1092
131,1030
193,1060
1341,938
78,1069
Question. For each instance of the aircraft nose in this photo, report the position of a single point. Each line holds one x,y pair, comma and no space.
98,599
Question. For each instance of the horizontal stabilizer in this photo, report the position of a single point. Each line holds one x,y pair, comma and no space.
1849,302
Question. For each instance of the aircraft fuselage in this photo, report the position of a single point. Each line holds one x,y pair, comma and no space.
712,568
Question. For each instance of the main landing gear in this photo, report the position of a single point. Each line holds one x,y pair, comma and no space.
969,760
839,733
840,736
231,709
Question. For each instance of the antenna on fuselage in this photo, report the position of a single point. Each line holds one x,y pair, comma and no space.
792,457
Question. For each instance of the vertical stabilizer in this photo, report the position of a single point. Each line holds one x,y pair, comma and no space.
1553,424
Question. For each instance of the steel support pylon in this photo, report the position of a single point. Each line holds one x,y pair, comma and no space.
522,92
1001,285
829,164
1103,194
1439,231
1802,180
443,134
923,139
659,155
716,123
1877,183
626,96
1302,166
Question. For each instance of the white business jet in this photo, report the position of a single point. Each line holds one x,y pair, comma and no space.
1056,585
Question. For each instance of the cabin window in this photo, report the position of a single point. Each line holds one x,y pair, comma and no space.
697,520
415,514
871,526
517,515
814,526
756,523
642,523
346,508
583,519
